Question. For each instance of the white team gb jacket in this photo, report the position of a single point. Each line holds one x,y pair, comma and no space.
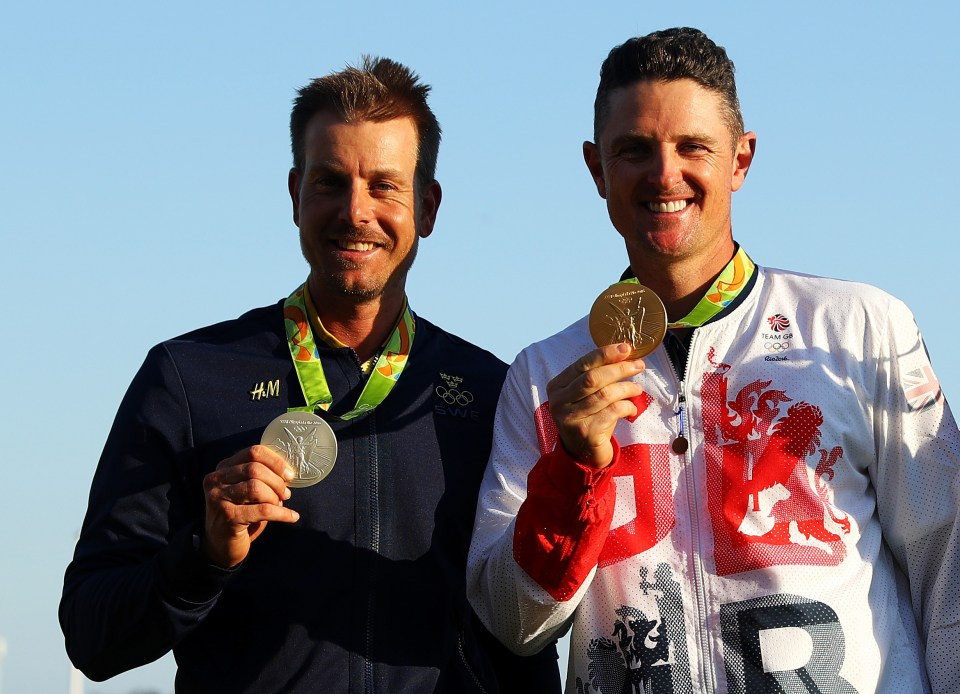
808,539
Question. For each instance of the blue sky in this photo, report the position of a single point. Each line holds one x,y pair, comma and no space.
143,162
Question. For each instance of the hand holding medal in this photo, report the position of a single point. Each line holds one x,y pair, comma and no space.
586,410
242,495
629,312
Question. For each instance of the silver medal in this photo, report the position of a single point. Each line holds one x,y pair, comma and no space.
307,442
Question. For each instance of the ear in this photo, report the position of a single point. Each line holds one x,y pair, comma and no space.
743,157
591,155
293,185
429,204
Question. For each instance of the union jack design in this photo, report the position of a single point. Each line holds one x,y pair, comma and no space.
778,322
921,388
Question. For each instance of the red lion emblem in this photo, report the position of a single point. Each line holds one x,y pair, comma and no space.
767,505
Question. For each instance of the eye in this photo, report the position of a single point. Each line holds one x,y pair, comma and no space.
693,148
327,181
634,150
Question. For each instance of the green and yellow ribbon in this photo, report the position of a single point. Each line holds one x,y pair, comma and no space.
728,285
306,360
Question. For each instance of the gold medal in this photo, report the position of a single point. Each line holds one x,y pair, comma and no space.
307,442
629,312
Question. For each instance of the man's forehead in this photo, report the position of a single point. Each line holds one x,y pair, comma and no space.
366,147
670,104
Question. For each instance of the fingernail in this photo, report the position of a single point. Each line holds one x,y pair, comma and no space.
287,493
296,516
623,347
288,473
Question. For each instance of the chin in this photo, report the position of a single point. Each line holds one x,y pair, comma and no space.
335,285
662,245
357,290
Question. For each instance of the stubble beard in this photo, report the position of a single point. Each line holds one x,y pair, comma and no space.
363,292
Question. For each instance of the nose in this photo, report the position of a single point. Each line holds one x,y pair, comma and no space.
357,208
664,167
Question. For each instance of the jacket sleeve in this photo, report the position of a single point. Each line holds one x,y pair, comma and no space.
137,583
917,478
542,519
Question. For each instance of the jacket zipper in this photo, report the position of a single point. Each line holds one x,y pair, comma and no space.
466,664
690,477
374,479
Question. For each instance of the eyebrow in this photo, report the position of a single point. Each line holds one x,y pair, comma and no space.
332,166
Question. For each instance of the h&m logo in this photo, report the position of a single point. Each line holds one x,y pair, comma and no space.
266,389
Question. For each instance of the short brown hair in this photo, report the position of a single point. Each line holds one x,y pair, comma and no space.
665,56
378,90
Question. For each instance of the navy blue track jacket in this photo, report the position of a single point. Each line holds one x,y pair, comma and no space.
365,593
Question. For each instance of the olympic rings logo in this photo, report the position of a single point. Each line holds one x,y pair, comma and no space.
452,395
777,346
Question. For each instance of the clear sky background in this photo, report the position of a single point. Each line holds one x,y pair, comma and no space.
143,164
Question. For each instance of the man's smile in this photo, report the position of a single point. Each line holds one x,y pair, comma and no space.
361,246
669,206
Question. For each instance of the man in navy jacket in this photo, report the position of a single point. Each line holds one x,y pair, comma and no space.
194,539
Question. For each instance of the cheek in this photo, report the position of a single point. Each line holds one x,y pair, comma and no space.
309,238
400,221
716,179
718,186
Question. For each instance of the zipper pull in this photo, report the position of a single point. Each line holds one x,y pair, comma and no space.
680,444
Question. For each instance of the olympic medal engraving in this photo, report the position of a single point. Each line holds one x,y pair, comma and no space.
629,312
307,442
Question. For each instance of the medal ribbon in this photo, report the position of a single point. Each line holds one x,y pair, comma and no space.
725,289
306,360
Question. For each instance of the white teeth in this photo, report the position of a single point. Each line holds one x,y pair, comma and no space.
357,246
672,206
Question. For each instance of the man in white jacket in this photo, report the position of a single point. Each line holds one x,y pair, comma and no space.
768,501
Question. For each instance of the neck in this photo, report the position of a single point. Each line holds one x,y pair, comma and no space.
681,284
361,324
